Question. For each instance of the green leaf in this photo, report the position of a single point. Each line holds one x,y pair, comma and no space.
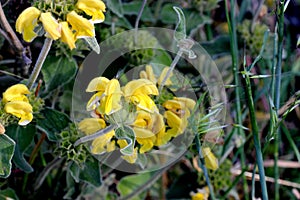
53,122
7,148
58,71
89,172
93,44
133,8
180,29
129,184
115,6
23,136
8,194
162,57
127,133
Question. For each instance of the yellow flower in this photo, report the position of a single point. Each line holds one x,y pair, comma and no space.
82,26
149,74
177,125
16,92
202,194
26,23
181,106
91,125
211,162
146,127
131,158
110,103
66,35
109,94
198,196
138,91
94,8
50,25
102,143
2,129
20,109
163,75
97,84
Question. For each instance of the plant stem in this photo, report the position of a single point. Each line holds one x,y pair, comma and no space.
235,60
255,134
39,63
276,97
136,26
172,66
201,163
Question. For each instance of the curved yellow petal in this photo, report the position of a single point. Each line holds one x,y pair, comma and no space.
94,8
146,143
25,119
100,143
140,86
97,84
67,35
188,103
173,120
211,162
94,101
148,74
50,25
20,109
16,92
91,125
143,133
113,87
82,26
26,23
144,102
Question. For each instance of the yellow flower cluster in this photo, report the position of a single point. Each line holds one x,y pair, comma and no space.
68,28
17,103
151,128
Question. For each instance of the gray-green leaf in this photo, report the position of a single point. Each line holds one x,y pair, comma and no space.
7,148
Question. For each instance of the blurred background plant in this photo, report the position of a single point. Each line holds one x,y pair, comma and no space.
254,45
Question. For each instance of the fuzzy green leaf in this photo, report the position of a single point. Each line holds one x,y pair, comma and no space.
130,184
128,134
8,194
180,30
58,71
23,136
52,122
7,148
89,172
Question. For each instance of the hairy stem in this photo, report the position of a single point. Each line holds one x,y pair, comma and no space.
39,63
136,26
